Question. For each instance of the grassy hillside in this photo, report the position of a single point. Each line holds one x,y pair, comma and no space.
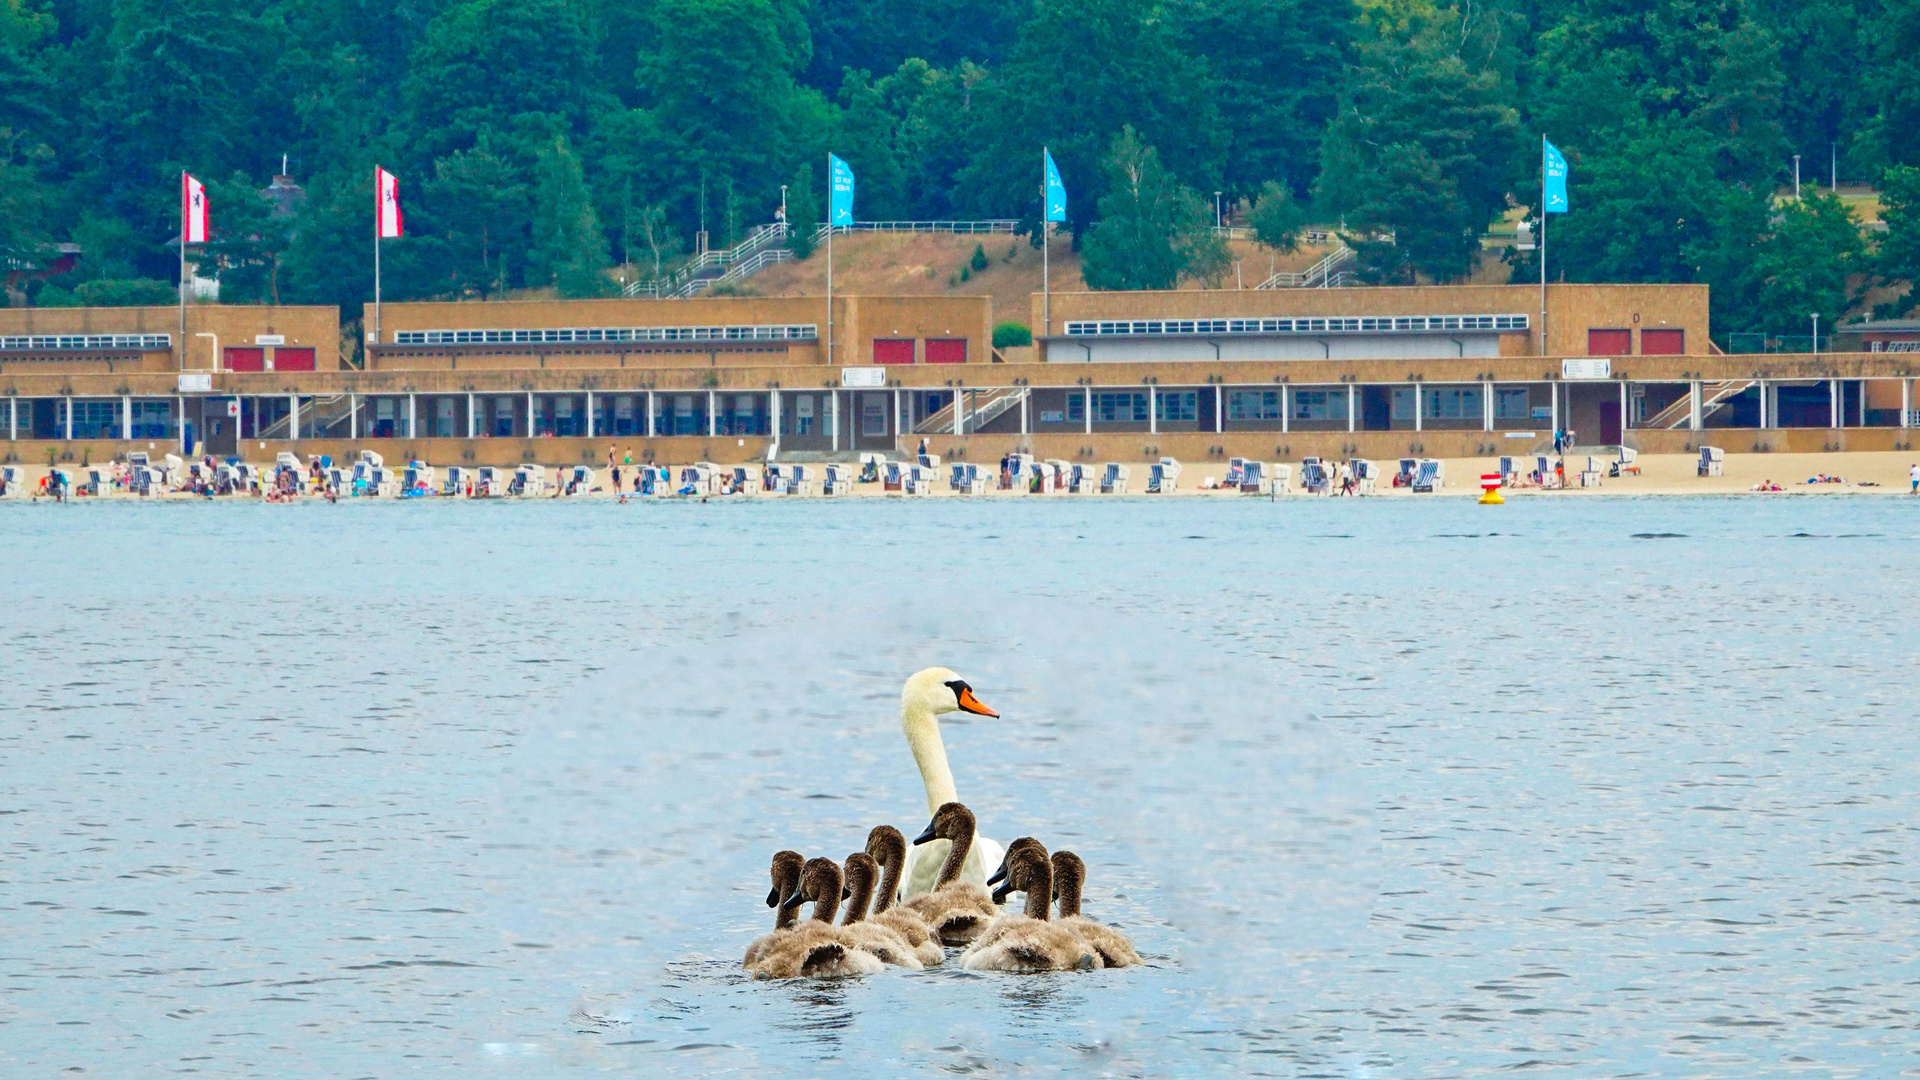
922,264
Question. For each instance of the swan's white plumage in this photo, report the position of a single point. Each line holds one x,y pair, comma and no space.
924,698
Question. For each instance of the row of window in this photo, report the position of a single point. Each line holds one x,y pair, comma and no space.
87,341
1130,406
1365,324
1441,403
588,334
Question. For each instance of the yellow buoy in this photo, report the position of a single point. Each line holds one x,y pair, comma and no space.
1490,490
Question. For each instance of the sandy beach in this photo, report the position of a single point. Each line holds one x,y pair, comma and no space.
1665,474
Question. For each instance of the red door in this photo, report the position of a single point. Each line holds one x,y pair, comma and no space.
1663,342
1610,423
893,350
246,359
946,350
1609,343
285,359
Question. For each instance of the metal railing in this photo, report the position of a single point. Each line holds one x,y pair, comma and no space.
689,277
1777,343
990,225
741,270
1329,272
1679,412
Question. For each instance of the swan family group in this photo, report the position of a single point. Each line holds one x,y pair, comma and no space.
933,893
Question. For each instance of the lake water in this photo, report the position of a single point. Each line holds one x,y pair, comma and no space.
1594,787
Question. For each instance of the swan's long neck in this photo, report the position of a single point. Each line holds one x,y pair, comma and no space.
957,854
890,880
1066,881
923,736
862,889
1039,890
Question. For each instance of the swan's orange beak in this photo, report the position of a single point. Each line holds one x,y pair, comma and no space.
969,703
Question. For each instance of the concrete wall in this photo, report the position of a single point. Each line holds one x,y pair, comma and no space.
1571,309
314,327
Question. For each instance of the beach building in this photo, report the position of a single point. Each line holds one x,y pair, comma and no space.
1269,375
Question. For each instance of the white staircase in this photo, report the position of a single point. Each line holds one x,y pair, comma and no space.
987,406
1329,273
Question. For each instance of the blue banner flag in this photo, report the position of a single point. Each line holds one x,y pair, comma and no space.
1056,191
839,192
1553,179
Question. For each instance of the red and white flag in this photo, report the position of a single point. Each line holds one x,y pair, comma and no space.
386,211
193,211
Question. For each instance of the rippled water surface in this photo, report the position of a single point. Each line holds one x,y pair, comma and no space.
1590,788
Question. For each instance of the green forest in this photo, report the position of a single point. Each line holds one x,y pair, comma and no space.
541,142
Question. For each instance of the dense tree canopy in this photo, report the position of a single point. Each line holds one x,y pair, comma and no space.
540,141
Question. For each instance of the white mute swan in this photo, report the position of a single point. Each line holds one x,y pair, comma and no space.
928,694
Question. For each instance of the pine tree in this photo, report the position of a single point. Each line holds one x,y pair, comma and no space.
569,248
1152,230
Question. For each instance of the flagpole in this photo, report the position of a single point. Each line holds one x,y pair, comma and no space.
1046,270
183,273
378,208
830,259
1543,248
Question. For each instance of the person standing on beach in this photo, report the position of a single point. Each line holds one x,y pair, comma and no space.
1913,479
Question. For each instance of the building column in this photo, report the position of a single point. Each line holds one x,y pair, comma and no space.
1762,384
1286,412
650,423
589,414
773,420
1554,388
1862,410
69,428
1623,412
1153,414
712,420
833,416
531,426
1086,407
13,416
1486,407
1693,404
1352,420
126,416
293,417
473,426
1025,426
413,428
959,411
1833,403
1419,409
1906,403
1220,408
353,416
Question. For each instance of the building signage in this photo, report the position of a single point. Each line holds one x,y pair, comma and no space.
1520,435
1586,367
1543,412
196,382
863,377
269,339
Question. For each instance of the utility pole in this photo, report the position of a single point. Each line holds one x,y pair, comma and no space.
1216,209
1796,176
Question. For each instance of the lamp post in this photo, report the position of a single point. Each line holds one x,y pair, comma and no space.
1216,209
1816,333
1796,176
